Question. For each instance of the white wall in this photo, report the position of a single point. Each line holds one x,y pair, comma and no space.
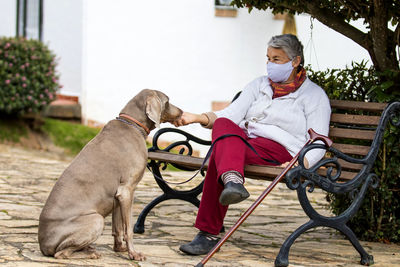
62,32
8,18
178,47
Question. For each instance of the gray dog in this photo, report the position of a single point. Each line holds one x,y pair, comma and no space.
101,180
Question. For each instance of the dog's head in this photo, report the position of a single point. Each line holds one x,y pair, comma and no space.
152,107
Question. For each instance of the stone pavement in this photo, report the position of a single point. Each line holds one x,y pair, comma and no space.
27,176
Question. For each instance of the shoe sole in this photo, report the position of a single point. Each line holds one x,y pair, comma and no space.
228,198
189,252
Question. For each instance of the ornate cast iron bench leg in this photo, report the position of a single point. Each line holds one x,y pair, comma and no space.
316,220
301,178
168,193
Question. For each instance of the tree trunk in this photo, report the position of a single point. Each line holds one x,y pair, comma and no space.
383,48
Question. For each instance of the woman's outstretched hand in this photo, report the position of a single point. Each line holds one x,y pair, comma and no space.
189,118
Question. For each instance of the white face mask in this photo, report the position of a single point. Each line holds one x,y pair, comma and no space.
279,72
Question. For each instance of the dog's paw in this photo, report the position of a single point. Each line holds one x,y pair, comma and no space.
61,255
137,256
94,255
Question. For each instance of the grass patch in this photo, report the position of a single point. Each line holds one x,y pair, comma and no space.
70,136
12,129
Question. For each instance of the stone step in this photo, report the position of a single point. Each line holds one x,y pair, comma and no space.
63,109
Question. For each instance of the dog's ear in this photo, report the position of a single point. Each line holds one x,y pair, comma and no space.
153,109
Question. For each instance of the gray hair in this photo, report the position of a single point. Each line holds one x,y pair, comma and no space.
290,44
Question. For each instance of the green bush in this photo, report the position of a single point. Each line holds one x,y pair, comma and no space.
379,216
28,78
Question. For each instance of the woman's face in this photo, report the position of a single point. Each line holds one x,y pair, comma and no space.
278,56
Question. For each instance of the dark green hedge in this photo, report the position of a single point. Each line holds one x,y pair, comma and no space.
379,217
28,79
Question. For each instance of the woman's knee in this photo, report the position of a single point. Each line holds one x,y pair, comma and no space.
223,123
224,126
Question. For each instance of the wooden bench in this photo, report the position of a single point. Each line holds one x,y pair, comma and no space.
357,131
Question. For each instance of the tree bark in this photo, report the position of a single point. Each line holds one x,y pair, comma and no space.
382,50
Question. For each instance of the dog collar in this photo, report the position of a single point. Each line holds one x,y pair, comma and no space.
128,120
126,116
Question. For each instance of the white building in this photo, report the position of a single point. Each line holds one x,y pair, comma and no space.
109,50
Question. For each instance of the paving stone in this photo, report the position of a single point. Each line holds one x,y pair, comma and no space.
27,176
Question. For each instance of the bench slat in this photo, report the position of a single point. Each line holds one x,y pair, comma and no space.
187,161
251,171
357,105
355,119
352,149
351,166
351,133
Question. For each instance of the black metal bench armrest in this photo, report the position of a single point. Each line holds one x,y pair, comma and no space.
184,145
327,172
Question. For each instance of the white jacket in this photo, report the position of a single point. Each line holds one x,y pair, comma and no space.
285,119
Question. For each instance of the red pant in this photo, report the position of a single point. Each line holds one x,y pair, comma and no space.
229,154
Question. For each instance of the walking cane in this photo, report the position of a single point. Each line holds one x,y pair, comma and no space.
313,137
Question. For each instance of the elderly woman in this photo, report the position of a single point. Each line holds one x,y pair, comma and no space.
273,113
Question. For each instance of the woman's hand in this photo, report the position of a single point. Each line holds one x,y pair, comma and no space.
284,165
189,118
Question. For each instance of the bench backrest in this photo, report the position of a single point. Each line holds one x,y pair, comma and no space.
352,129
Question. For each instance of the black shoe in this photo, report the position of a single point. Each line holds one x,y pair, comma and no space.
201,244
233,193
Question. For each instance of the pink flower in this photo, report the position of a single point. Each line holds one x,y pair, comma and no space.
10,65
8,81
51,96
41,96
46,90
23,78
29,97
22,67
7,45
43,102
26,64
24,85
17,75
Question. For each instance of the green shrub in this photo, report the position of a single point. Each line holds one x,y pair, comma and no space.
378,219
358,82
28,79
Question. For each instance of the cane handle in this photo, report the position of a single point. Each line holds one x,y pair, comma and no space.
316,136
